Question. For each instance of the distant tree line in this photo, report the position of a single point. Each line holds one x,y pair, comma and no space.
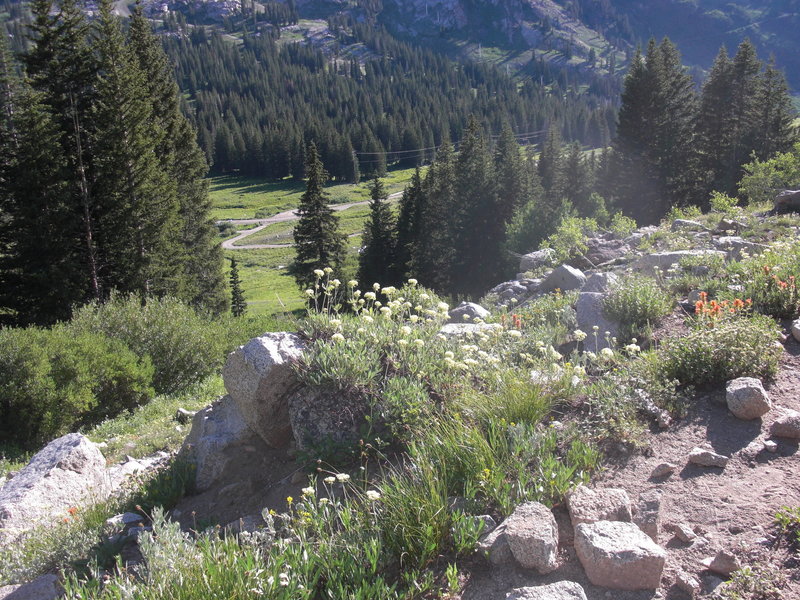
460,225
258,104
101,178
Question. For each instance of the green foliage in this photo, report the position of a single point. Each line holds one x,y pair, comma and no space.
621,225
238,304
770,279
56,380
788,521
722,203
683,212
569,239
739,346
185,347
758,582
637,303
762,180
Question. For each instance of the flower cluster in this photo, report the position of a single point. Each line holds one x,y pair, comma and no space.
711,311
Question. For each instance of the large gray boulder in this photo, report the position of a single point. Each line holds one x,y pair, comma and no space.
736,246
532,535
494,546
541,258
216,441
747,398
259,379
664,260
687,225
787,201
69,472
561,590
564,278
45,587
619,555
589,312
586,505
328,416
600,282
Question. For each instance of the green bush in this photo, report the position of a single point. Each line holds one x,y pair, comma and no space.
637,303
770,280
569,240
740,346
54,381
185,347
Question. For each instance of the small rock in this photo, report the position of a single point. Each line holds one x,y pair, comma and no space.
46,587
586,505
747,398
619,555
683,532
184,416
724,563
712,583
648,513
532,535
787,425
707,458
486,522
687,225
541,258
663,470
688,583
771,446
495,547
796,329
562,590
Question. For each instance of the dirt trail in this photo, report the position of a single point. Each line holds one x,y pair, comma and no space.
282,217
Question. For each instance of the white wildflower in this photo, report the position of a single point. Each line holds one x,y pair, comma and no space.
337,337
373,495
319,272
579,335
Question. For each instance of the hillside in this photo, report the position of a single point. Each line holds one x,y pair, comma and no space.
647,403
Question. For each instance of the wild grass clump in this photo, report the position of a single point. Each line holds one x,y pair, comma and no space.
770,280
721,348
637,303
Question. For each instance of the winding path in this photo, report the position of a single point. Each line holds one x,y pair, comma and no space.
281,217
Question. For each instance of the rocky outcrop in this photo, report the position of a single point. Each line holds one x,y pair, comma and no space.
69,472
259,379
664,260
322,415
218,434
747,398
619,555
600,283
467,312
564,278
787,425
589,313
787,201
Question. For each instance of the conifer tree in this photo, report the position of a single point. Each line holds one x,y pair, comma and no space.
774,118
408,228
377,258
318,242
139,222
180,156
238,303
513,186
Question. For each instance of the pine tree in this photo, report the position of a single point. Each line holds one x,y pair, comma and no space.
238,303
318,242
408,228
375,263
774,115
139,222
183,161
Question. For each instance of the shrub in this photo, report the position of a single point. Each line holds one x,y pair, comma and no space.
621,225
185,347
722,203
637,303
569,239
770,280
54,381
739,346
764,179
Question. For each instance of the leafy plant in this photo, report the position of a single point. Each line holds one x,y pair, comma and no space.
569,239
637,303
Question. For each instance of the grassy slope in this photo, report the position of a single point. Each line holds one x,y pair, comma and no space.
268,288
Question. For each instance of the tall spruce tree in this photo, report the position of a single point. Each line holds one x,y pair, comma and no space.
180,156
139,222
377,259
408,228
318,242
238,303
61,65
774,115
